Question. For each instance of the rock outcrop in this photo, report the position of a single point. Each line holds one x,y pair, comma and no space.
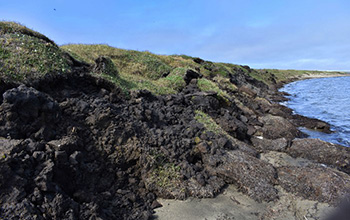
73,146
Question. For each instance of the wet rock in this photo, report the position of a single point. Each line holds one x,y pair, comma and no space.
265,144
277,127
280,159
315,182
311,123
322,152
253,176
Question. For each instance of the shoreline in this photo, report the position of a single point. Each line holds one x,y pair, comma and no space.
231,203
105,139
309,76
325,75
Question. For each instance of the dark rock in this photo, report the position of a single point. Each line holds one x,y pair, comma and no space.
264,144
44,180
198,60
322,152
311,123
315,182
248,91
35,112
85,151
190,74
156,204
253,176
61,157
278,127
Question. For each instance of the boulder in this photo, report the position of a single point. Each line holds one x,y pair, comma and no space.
322,152
264,144
255,177
311,123
315,182
277,127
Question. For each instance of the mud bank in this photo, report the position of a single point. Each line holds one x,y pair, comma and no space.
74,146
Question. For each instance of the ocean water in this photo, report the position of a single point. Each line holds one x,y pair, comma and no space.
327,99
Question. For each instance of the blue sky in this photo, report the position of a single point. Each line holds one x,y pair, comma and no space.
299,34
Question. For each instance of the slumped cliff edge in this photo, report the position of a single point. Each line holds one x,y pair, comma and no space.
95,132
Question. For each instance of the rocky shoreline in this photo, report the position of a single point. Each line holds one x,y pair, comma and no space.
74,147
83,137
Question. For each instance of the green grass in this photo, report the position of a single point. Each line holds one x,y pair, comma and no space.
166,176
207,85
137,70
7,27
133,62
144,70
225,83
209,123
28,54
128,82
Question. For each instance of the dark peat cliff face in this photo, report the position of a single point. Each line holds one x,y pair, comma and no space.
84,137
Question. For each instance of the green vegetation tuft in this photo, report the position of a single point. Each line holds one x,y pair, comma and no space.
7,27
133,62
104,65
206,85
166,176
27,54
208,123
137,70
225,83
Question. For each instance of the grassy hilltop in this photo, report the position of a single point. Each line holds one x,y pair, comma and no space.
26,54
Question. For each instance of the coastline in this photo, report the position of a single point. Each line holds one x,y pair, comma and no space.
309,76
233,204
105,139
